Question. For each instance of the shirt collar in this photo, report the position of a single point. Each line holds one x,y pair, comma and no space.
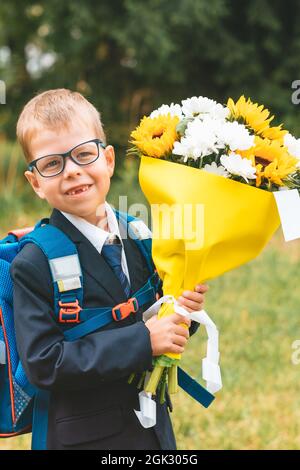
96,235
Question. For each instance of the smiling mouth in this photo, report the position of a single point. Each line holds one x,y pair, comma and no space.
79,190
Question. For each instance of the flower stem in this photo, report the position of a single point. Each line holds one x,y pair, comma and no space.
163,386
154,379
131,377
141,381
172,379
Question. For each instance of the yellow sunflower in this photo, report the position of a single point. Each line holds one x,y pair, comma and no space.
271,159
155,137
275,133
256,117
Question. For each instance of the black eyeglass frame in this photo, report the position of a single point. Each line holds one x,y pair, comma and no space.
33,164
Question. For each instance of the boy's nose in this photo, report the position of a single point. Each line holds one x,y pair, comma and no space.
71,168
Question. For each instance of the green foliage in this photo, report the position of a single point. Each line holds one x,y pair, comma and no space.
18,202
129,56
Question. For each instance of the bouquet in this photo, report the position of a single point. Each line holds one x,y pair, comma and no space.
208,172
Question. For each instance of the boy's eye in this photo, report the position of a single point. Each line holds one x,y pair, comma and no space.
83,155
49,164
52,163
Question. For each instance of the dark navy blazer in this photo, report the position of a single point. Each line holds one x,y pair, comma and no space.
91,403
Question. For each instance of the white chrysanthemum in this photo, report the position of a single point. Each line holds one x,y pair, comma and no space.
293,146
202,107
200,140
185,148
173,110
236,136
215,169
236,165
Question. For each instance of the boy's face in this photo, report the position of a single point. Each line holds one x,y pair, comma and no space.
87,204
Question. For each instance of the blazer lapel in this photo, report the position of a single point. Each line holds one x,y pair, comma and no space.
92,262
135,264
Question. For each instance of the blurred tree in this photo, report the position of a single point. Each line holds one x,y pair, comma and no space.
129,56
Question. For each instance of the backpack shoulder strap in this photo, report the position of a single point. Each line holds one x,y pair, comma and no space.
142,236
65,268
140,233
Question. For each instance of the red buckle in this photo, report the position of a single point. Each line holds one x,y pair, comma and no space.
121,311
20,232
69,309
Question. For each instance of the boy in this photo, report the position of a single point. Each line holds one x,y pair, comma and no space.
91,403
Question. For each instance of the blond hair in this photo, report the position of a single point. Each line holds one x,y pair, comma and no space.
55,109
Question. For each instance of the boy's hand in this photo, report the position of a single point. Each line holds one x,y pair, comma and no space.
166,334
193,300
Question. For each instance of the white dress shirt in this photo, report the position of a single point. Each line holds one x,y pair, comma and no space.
96,235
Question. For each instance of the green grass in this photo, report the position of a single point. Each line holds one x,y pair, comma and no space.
256,308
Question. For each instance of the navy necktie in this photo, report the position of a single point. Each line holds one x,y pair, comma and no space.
112,253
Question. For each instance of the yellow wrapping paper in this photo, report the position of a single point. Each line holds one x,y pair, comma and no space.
216,224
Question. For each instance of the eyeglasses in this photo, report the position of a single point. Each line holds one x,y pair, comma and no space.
83,154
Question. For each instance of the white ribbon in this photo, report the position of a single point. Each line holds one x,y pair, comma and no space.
147,415
211,372
288,205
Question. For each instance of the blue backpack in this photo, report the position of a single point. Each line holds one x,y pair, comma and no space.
22,406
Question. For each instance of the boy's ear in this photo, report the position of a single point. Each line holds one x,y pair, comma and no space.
109,153
32,179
